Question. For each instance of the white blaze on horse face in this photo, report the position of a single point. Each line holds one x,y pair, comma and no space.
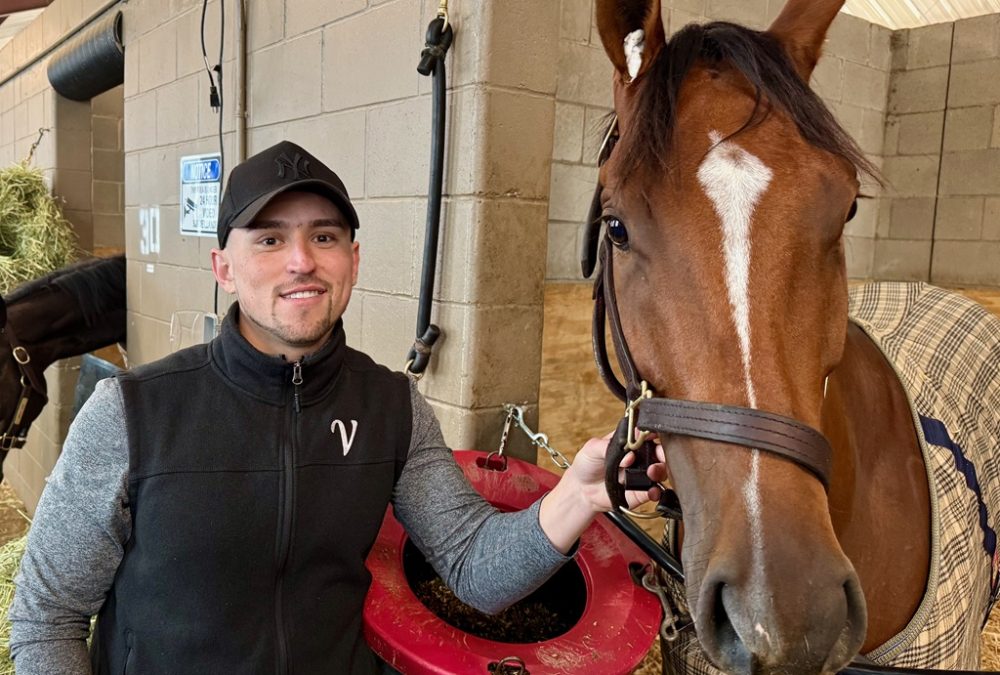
734,181
635,43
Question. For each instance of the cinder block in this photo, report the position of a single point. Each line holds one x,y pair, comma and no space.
109,232
920,133
109,104
109,165
159,176
106,133
973,263
901,260
970,172
574,20
828,78
398,157
563,252
918,90
974,84
143,16
175,248
300,90
389,260
524,45
518,145
388,326
572,189
968,128
306,15
747,12
977,39
82,222
265,24
595,127
568,142
849,38
343,144
914,176
508,252
584,75
859,253
995,143
884,217
505,354
480,429
177,107
959,218
72,150
880,52
140,122
689,6
148,339
929,46
872,137
74,188
157,57
676,20
107,197
991,219
359,71
912,219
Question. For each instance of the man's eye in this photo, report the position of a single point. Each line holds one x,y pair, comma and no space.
269,241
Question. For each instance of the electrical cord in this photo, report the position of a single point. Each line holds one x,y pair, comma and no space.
216,99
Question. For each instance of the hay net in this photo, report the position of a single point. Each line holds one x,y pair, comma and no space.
35,238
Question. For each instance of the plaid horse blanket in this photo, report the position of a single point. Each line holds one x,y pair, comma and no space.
946,351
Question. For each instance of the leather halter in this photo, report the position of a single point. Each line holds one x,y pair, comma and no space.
33,395
733,425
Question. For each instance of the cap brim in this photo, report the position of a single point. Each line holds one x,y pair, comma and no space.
316,186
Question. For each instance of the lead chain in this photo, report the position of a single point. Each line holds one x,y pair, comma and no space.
515,413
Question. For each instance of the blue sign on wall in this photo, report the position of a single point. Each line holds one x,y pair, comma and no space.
201,188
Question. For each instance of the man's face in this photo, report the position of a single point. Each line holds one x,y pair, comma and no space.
292,271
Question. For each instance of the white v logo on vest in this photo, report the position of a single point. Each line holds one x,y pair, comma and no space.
346,440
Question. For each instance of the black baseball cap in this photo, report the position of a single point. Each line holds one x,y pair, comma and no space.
262,177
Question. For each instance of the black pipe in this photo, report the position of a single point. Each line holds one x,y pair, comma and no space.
438,40
92,63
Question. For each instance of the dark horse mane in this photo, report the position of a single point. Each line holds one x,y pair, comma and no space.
761,59
98,291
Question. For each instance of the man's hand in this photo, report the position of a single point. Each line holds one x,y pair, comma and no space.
580,495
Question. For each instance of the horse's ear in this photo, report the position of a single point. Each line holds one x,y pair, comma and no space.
618,21
801,28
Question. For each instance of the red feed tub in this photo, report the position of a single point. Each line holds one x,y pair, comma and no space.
616,627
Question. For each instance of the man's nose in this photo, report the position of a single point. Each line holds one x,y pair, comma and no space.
301,259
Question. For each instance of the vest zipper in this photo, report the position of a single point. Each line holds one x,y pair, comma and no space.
287,510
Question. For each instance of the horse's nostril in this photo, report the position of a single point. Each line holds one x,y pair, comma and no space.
727,642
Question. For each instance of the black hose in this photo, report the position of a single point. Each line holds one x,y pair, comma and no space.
438,40
92,63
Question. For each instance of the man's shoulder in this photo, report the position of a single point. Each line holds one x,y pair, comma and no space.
191,358
360,362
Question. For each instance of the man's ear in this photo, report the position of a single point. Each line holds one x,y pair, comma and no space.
356,249
223,270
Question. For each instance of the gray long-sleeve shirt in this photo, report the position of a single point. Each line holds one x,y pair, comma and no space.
82,523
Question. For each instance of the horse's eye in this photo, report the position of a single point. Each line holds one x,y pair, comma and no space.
616,232
853,212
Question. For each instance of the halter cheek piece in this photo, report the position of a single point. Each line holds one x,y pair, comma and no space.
33,395
734,425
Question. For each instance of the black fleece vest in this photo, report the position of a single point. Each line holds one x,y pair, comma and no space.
254,504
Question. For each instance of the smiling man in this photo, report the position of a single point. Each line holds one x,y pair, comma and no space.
214,509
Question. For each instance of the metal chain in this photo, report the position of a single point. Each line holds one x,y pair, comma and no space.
515,413
34,146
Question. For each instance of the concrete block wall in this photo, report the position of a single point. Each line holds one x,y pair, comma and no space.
317,75
943,160
107,160
852,77
65,155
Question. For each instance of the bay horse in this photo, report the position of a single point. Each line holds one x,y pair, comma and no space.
69,312
814,527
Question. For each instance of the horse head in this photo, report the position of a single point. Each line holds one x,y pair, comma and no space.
724,201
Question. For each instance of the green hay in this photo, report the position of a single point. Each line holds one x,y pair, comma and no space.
35,238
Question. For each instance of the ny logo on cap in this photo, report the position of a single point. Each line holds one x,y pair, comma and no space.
297,165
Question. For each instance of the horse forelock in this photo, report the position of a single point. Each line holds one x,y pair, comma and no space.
758,57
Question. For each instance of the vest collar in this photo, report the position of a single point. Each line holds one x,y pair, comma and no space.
270,377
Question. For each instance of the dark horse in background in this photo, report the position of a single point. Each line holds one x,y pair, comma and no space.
835,451
70,312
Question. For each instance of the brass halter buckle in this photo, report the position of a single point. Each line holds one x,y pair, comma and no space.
636,437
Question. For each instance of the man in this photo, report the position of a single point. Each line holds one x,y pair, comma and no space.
214,509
